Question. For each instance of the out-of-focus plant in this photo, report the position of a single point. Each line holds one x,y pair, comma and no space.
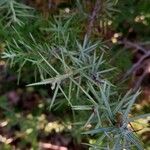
12,12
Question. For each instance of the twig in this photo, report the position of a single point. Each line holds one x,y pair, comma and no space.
139,81
136,65
129,44
93,16
146,53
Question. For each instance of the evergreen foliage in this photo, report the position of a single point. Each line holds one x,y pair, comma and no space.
58,52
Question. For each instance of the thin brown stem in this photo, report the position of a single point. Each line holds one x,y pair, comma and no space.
93,16
129,44
137,65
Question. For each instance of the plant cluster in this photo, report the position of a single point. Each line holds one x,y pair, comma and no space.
65,52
